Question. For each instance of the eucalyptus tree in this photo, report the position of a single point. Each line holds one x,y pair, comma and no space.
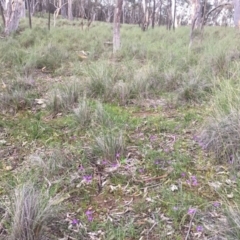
11,11
116,26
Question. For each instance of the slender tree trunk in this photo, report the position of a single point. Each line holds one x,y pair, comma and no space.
173,14
236,16
153,14
63,9
49,16
70,15
116,26
29,14
2,14
160,15
169,15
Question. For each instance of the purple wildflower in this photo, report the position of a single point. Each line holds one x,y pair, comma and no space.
87,178
114,164
166,150
104,162
118,155
75,221
175,208
89,215
157,162
216,204
183,174
194,181
141,170
199,228
192,211
153,137
80,167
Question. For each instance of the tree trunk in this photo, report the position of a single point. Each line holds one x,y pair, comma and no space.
173,14
145,15
70,15
2,14
63,9
236,16
169,15
153,14
116,26
12,16
49,16
29,14
197,13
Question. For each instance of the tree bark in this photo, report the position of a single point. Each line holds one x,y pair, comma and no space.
2,14
13,14
116,26
49,16
173,14
153,14
236,16
197,13
70,15
29,14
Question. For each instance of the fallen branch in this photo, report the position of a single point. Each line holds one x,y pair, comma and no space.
190,225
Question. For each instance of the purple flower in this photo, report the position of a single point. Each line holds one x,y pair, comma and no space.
216,204
183,174
114,164
89,215
87,178
117,155
80,167
175,208
166,150
104,162
153,137
192,181
141,170
199,228
157,162
75,221
195,138
192,211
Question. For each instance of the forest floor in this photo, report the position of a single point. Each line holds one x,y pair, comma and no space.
113,145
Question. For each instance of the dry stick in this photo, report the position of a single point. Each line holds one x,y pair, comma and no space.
190,225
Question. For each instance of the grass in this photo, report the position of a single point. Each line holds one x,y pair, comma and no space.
132,146
30,212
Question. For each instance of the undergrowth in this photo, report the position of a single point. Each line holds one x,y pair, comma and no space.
143,144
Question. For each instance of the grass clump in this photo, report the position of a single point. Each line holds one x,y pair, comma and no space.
65,97
31,210
220,133
83,113
109,145
17,95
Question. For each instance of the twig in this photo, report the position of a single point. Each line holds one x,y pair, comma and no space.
190,225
